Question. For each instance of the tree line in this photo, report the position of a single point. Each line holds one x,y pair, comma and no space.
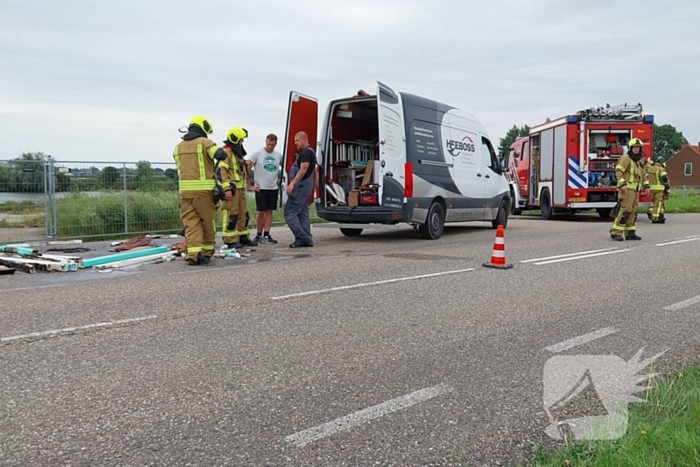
25,174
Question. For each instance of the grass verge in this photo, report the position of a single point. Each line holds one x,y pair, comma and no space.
86,216
663,431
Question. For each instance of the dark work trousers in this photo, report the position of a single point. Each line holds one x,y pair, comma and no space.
296,209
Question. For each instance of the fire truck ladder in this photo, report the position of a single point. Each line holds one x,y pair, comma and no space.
622,112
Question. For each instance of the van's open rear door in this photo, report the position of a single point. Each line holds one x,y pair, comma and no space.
391,137
302,115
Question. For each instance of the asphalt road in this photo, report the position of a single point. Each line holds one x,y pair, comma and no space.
382,349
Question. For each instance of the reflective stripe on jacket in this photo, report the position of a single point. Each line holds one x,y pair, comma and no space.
195,165
629,173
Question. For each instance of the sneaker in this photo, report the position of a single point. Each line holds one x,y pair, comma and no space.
258,238
269,239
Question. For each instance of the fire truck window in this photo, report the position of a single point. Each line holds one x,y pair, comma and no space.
526,150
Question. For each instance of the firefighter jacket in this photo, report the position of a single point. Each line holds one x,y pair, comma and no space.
630,173
194,159
234,171
658,179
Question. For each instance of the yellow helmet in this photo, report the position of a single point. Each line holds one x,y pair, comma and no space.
235,134
635,142
202,122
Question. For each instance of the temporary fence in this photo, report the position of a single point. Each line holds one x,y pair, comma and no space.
45,199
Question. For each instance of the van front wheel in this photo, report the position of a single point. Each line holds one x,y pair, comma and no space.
434,224
501,217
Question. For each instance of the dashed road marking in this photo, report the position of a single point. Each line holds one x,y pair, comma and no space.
584,339
302,438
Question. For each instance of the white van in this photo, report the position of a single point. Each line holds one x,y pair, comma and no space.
395,158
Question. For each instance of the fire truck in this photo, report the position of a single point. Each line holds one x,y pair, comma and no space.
567,165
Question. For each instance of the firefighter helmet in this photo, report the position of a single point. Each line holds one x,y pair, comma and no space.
203,123
659,160
235,134
635,142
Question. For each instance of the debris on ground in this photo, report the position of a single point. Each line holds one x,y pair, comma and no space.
133,243
5,270
30,260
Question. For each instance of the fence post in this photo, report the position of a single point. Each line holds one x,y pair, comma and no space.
683,191
126,201
50,227
47,202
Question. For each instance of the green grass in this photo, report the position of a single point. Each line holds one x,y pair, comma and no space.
21,207
83,216
663,431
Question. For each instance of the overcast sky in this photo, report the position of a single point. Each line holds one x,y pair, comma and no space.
114,80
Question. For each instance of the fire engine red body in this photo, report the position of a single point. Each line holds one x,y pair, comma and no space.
567,165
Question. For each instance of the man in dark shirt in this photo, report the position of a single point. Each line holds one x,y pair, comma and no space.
296,209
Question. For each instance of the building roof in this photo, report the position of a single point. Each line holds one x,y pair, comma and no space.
695,149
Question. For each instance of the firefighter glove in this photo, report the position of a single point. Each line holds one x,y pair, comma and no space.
218,194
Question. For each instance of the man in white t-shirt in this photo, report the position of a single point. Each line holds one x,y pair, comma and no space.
266,169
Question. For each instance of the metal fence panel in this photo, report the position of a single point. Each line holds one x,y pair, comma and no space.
44,199
23,200
105,199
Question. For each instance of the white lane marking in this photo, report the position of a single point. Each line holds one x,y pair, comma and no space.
388,281
683,304
687,239
58,332
565,256
591,336
302,438
581,257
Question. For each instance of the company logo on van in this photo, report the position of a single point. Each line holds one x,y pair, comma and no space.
455,148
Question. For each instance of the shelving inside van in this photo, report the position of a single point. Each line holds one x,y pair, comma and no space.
352,148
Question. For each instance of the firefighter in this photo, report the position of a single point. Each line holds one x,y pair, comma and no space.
235,178
194,158
630,176
659,188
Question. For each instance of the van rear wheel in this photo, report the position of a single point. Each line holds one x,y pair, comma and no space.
351,232
434,224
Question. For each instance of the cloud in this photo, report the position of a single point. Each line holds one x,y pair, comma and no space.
123,76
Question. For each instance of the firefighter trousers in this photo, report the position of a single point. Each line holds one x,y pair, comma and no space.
627,215
197,215
657,197
235,210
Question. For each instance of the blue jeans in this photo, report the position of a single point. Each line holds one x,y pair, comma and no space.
296,211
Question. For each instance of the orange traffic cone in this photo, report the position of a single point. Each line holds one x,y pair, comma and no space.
498,258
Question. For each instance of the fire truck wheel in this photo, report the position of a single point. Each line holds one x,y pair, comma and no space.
351,232
514,211
502,216
434,223
546,205
605,213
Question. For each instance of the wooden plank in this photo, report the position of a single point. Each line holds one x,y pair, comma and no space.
28,268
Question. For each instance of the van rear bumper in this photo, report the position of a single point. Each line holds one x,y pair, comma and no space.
361,215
